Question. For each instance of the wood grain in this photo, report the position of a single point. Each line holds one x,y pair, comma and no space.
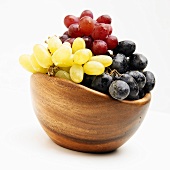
83,119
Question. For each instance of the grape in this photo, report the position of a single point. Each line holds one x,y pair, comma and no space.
104,59
141,93
78,44
88,40
139,77
67,69
138,62
67,44
93,68
101,83
70,40
99,47
63,56
100,32
25,62
150,81
119,89
87,80
54,43
66,33
104,19
119,63
36,66
134,89
42,56
125,47
112,42
63,74
109,28
82,56
64,38
86,25
69,20
74,31
86,13
76,73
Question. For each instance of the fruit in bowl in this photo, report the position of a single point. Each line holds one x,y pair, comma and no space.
90,92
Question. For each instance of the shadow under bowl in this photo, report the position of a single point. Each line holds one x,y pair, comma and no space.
82,119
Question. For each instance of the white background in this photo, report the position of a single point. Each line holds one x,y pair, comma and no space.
25,23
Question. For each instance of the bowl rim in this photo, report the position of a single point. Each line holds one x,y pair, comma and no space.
141,101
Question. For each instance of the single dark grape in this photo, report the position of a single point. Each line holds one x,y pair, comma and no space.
141,93
138,62
119,63
125,47
89,41
150,81
74,31
104,19
139,77
70,19
99,47
101,83
87,80
86,13
119,89
134,88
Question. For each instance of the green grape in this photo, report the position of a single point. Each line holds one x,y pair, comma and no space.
93,68
67,43
67,69
63,74
82,56
63,56
54,43
78,44
76,73
36,66
104,59
25,62
42,56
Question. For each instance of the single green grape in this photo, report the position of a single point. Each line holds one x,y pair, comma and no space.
104,59
54,43
82,56
78,44
36,66
63,56
42,56
63,74
93,68
76,73
25,62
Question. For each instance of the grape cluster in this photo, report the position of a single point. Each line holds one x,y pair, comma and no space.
88,54
96,33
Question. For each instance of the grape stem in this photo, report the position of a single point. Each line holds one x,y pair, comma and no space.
114,73
52,70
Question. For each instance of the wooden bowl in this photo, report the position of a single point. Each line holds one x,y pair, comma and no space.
82,119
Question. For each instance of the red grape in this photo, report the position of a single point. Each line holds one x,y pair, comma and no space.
70,19
86,25
104,19
109,27
86,13
64,37
88,40
99,47
74,31
100,32
70,40
112,42
66,33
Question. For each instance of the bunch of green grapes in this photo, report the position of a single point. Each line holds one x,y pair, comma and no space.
65,61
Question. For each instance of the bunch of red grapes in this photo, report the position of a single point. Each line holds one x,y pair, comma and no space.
96,33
